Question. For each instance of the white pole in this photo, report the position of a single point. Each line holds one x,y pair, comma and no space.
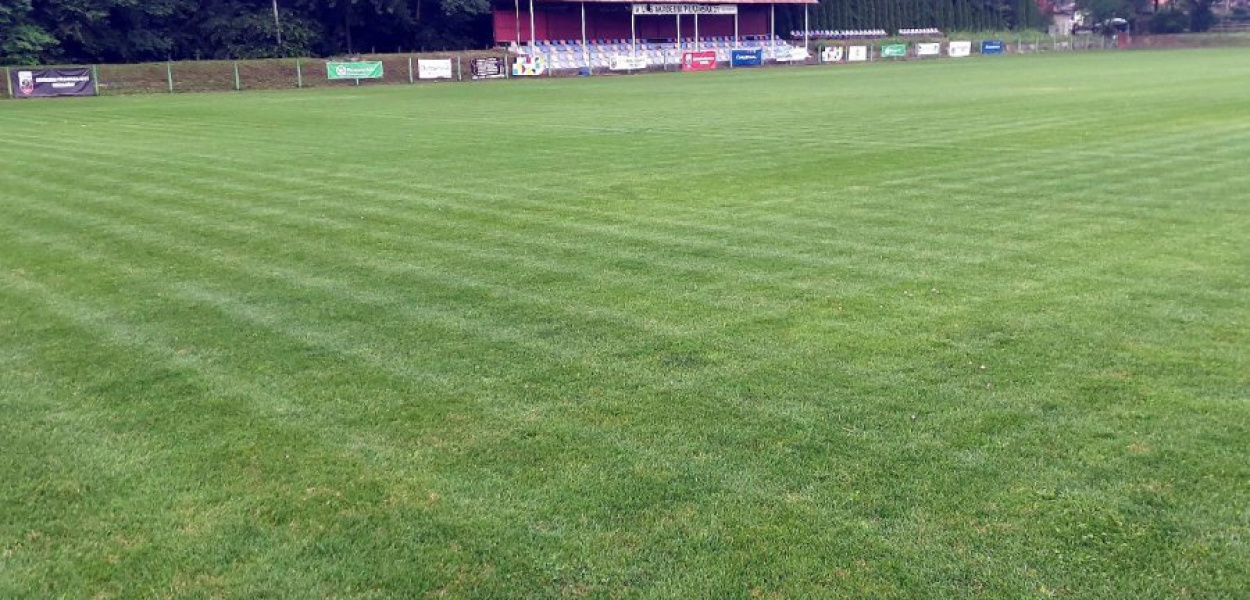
736,42
696,31
585,49
516,8
633,34
680,45
772,27
277,24
805,33
531,27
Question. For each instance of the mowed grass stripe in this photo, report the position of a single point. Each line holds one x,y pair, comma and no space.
802,369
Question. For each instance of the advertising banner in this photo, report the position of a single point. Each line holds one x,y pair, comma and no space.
992,47
354,70
747,58
928,49
50,83
698,61
857,54
894,51
790,54
488,68
685,9
625,62
434,69
831,54
529,66
959,49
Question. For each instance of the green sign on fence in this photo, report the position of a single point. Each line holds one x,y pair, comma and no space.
354,70
894,51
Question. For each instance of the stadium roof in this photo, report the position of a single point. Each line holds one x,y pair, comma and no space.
690,2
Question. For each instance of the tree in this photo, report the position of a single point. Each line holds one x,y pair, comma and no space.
22,40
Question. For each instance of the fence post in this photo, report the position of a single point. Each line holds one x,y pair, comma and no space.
409,69
8,78
169,75
237,87
299,74
459,71
95,76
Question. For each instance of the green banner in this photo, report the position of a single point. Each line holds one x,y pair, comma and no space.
894,51
354,70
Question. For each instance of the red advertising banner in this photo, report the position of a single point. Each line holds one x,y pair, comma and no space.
698,61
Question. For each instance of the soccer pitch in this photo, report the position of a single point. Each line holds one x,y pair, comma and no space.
927,330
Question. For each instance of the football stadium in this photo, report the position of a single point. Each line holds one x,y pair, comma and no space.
717,300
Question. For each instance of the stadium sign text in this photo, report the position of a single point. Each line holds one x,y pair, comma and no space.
685,9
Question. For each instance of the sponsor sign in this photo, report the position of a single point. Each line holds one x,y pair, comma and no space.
857,54
49,83
959,49
698,61
685,9
790,54
928,49
625,62
992,47
746,58
832,54
529,66
894,51
434,69
490,67
354,70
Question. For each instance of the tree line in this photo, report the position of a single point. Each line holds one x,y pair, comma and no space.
118,31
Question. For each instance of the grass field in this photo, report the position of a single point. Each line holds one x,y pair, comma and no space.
923,330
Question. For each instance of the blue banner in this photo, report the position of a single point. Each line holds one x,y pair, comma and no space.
992,47
747,58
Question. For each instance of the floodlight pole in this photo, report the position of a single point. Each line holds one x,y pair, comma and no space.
680,45
516,10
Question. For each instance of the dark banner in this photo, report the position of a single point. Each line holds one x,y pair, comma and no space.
49,83
489,68
747,58
992,47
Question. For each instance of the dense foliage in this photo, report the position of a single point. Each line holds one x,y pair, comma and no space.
143,30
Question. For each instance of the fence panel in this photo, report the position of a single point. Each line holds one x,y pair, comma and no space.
148,78
203,76
269,74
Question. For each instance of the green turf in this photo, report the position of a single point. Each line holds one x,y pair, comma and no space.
925,330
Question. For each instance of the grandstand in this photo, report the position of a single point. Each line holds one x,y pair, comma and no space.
839,34
589,34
